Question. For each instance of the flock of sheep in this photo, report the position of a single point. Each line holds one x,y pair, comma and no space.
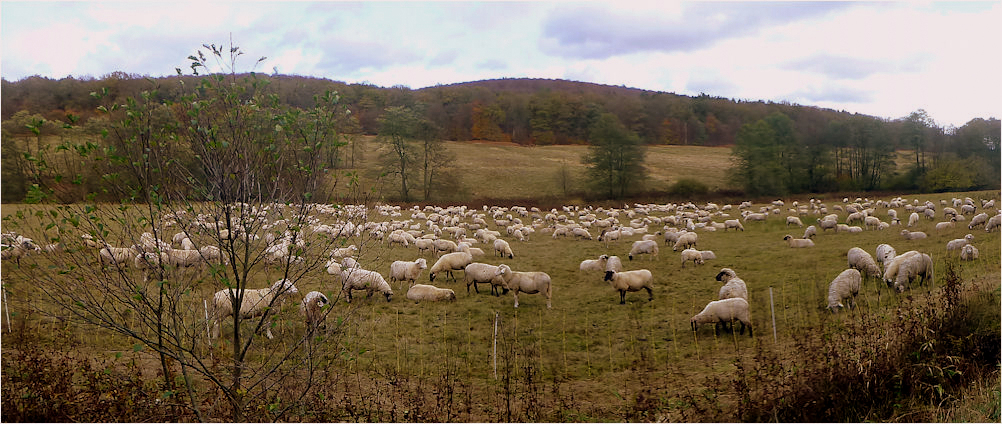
451,236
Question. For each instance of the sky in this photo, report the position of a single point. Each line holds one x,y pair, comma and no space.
885,59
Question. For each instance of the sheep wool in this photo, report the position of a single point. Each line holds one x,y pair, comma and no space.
449,262
844,286
369,281
254,302
797,243
722,312
526,282
733,286
969,253
631,281
407,270
692,255
476,273
312,309
419,292
644,247
861,260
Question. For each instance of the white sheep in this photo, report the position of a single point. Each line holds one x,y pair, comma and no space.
733,285
344,252
993,223
913,219
444,246
733,223
253,303
631,281
476,273
644,247
424,245
828,224
795,242
723,312
979,219
419,292
692,255
885,253
946,225
361,279
844,286
614,264
969,253
912,267
957,244
594,264
707,255
502,247
117,255
810,232
526,282
16,247
407,270
685,241
312,308
793,220
913,235
861,260
333,266
891,266
449,262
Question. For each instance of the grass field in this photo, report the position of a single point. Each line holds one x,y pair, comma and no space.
588,358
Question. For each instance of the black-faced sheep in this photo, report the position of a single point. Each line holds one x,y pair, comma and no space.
526,282
631,281
594,264
477,272
424,292
252,303
844,286
795,242
733,285
723,312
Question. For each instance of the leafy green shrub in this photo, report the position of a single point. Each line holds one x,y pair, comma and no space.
688,187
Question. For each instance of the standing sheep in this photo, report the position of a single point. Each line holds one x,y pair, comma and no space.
885,253
252,303
361,279
685,241
810,232
502,247
794,220
993,223
861,260
795,242
723,312
692,255
419,292
407,271
733,286
979,219
641,247
733,223
915,266
312,308
477,272
526,282
449,262
631,281
957,244
844,286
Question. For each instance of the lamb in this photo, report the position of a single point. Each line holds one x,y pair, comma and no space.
733,223
312,308
979,219
795,242
253,303
450,262
733,286
477,272
692,255
614,264
527,282
993,223
685,241
844,286
502,247
594,264
419,292
810,232
793,220
722,312
631,281
407,270
641,247
861,260
969,253
957,244
361,279
913,235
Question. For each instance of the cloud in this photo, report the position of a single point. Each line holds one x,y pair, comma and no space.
831,94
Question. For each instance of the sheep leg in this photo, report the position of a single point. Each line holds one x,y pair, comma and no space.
516,298
650,294
622,297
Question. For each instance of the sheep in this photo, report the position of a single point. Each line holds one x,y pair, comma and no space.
502,247
187,244
912,267
913,219
419,292
361,279
707,255
793,220
733,285
182,257
641,247
253,303
450,262
594,264
810,232
526,282
993,223
844,286
885,253
685,241
407,270
397,238
755,217
913,235
692,255
117,255
609,235
957,244
614,264
979,219
861,260
90,242
212,253
795,242
333,267
344,252
722,312
474,251
969,253
872,221
17,247
828,224
444,246
477,272
733,223
946,225
631,281
312,309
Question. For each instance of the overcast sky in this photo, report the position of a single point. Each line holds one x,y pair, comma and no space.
885,59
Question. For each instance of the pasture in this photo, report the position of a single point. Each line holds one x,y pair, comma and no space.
586,359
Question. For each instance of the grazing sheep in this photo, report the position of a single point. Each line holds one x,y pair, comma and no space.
828,224
957,244
913,235
344,252
733,286
312,309
408,271
913,219
723,312
17,247
641,247
117,255
449,262
844,286
979,219
969,253
733,223
861,260
419,292
795,242
444,246
913,267
685,241
885,253
631,281
476,273
502,247
424,245
361,279
993,223
810,232
594,264
755,217
614,264
526,282
692,255
253,303
397,238
794,220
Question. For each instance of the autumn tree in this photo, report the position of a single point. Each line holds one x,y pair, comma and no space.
615,158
